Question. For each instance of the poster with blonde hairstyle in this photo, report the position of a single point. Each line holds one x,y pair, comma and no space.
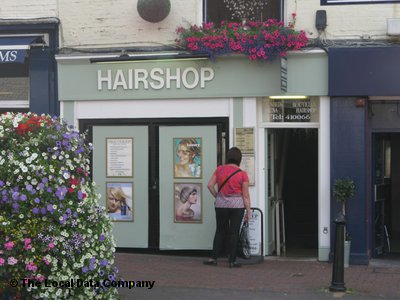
119,200
187,157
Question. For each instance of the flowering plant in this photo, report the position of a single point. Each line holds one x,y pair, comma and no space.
258,40
55,241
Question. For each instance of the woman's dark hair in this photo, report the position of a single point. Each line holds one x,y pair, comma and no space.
234,156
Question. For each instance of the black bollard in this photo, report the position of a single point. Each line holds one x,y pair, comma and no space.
337,284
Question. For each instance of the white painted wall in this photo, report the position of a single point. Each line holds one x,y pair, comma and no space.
116,23
344,21
105,23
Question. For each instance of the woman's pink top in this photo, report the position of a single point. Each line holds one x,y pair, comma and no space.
231,194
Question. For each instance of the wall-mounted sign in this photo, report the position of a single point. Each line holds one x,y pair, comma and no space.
284,83
244,140
248,164
291,110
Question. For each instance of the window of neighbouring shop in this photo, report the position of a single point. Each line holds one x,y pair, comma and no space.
22,66
239,10
281,110
14,85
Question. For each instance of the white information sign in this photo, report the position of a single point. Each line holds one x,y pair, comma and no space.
255,232
119,157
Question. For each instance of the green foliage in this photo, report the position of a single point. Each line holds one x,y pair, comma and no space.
344,189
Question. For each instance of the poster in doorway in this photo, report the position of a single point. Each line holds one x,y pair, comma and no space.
188,202
187,157
119,201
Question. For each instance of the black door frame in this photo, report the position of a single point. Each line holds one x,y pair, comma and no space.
222,124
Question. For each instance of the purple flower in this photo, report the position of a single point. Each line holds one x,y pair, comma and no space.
15,195
36,200
103,263
29,188
15,206
84,269
50,208
1,183
80,195
102,238
35,210
43,211
61,192
23,197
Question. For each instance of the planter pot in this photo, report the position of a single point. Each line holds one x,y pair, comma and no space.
347,245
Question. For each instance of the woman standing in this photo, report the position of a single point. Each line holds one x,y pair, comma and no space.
231,199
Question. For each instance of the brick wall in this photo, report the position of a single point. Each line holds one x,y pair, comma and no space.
113,23
345,21
104,23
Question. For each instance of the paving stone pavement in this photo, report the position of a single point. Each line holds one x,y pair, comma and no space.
183,277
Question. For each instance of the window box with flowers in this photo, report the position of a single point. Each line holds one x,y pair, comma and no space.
257,40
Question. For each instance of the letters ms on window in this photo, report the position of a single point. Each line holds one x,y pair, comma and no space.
8,55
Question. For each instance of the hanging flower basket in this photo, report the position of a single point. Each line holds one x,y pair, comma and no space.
258,40
56,242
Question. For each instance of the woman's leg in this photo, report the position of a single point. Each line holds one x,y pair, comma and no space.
222,218
235,217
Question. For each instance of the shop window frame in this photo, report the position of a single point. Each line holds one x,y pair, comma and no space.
277,11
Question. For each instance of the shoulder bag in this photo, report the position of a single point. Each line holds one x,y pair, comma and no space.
226,180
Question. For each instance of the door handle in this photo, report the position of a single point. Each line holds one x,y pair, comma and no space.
154,186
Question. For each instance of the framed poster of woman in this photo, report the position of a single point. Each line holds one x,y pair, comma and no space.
119,200
188,203
187,157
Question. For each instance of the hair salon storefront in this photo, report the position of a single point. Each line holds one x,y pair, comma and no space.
147,119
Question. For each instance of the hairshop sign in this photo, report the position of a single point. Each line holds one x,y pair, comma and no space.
156,78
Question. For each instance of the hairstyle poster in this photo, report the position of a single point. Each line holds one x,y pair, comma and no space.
188,202
119,201
187,157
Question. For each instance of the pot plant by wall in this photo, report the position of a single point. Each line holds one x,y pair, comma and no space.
343,190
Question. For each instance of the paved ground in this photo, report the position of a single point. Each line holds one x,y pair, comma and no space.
178,277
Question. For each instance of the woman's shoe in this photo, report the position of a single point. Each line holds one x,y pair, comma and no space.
210,262
234,265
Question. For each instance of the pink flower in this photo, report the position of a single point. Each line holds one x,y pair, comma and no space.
9,245
12,261
45,260
31,267
27,241
2,261
51,245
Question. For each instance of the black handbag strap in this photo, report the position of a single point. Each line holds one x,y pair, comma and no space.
226,180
